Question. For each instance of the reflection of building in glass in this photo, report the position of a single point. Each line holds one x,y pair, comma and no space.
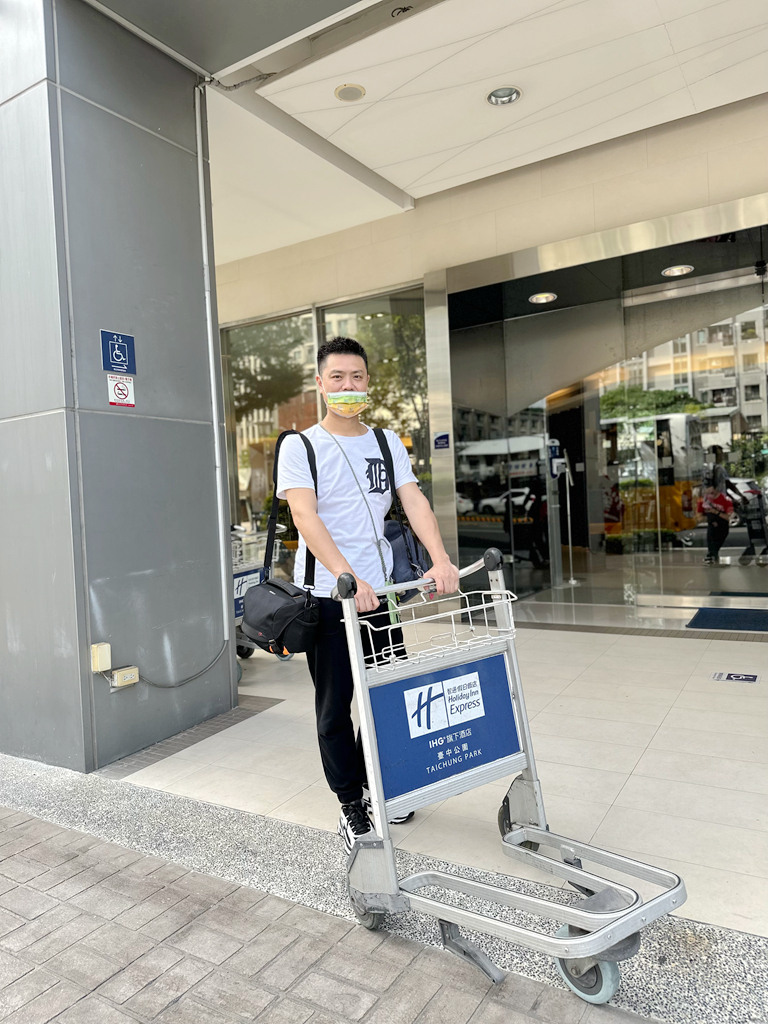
721,367
391,329
476,425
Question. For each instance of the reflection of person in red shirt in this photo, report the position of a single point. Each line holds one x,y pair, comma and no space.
718,509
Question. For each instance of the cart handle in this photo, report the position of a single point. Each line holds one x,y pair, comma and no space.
347,586
242,532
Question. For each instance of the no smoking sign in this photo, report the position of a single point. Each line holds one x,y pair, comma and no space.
120,390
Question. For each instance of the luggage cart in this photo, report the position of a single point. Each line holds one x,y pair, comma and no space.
248,571
442,711
752,514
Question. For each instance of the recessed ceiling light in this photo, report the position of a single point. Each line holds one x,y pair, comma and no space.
504,95
541,297
679,271
368,316
349,92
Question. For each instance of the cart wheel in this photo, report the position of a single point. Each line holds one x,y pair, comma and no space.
505,825
244,652
597,985
284,657
370,919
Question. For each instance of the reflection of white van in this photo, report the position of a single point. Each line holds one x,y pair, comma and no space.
501,456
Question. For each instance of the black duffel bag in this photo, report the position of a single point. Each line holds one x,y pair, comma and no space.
279,616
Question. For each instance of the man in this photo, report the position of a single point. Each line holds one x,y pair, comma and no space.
717,474
718,508
343,526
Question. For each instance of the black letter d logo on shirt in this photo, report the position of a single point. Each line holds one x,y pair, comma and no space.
377,476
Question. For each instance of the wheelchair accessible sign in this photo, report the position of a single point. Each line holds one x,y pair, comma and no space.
118,353
441,724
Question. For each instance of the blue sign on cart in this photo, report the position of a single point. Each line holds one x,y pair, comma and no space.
118,353
443,723
243,581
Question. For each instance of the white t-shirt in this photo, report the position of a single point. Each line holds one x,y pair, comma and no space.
340,504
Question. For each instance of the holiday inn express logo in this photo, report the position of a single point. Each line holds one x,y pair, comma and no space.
444,704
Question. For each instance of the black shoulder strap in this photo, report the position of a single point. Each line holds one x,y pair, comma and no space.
309,564
381,438
389,465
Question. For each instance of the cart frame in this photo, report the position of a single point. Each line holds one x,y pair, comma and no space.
602,928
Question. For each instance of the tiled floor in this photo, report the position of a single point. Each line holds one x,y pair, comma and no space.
638,749
248,707
96,933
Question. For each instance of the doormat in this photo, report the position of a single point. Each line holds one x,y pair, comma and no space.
744,620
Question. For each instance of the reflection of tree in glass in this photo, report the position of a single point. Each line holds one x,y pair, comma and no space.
748,455
266,367
635,401
398,365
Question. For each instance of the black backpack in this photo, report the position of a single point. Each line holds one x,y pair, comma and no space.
277,615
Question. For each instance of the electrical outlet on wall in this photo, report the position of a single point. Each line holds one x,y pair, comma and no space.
125,676
101,657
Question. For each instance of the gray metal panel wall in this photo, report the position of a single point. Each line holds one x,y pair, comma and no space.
153,574
215,35
109,514
102,62
135,258
41,706
30,331
27,45
148,483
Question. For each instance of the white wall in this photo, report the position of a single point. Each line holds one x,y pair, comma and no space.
695,162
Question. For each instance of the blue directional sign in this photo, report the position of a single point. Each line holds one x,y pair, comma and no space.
440,724
118,354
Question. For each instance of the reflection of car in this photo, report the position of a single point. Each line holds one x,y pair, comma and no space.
495,506
464,504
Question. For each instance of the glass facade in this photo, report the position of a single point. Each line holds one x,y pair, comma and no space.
270,377
646,389
269,374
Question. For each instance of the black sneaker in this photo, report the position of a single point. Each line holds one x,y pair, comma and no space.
401,820
354,823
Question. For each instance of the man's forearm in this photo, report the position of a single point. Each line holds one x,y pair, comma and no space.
424,524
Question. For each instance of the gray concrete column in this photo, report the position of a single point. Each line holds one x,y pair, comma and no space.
109,515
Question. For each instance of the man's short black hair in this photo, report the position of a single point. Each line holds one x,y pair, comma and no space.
340,346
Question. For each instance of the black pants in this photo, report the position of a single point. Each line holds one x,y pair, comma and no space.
328,660
717,531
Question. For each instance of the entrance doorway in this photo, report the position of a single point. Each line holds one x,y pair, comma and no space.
593,406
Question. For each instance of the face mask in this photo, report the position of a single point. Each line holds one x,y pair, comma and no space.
347,403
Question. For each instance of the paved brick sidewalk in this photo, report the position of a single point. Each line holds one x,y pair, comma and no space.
93,933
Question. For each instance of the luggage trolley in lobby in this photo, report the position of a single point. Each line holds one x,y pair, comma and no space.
442,711
248,550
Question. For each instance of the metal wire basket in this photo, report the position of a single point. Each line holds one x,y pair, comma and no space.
460,622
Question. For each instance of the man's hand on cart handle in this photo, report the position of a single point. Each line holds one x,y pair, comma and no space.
365,596
445,576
